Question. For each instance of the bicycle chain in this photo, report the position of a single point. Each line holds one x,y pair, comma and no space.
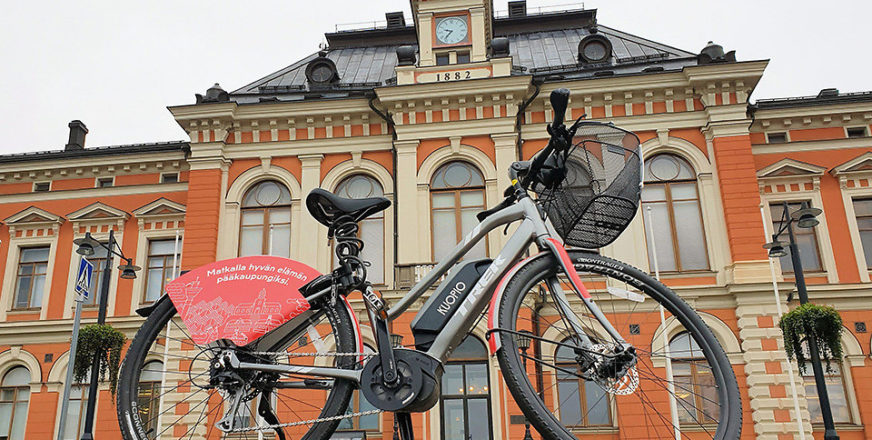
312,421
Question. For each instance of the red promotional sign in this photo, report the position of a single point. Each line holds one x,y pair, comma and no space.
240,299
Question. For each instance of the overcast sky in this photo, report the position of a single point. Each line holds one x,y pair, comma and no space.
117,65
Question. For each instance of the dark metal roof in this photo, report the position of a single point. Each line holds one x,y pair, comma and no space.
158,147
825,97
545,44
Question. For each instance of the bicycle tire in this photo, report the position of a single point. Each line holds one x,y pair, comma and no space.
547,420
140,354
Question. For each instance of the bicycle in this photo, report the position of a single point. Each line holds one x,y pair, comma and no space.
591,322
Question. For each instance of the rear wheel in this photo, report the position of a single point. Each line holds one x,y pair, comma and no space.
164,391
681,386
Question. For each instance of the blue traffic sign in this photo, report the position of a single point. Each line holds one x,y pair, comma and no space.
83,277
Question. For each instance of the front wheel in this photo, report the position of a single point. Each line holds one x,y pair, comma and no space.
678,385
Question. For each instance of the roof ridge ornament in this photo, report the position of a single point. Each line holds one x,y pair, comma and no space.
714,53
213,94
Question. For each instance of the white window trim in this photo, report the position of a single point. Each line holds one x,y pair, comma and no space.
145,236
69,300
162,175
55,384
848,196
41,181
98,179
14,253
864,127
825,246
786,137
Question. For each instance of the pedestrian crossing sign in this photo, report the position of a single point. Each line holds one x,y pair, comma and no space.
83,278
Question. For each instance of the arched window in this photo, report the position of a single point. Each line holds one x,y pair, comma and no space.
456,196
149,393
265,225
581,402
835,380
76,410
465,393
670,191
694,384
14,397
372,228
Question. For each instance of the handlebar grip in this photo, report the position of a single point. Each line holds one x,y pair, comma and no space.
559,101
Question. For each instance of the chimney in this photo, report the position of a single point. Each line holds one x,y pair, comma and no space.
77,136
395,20
517,8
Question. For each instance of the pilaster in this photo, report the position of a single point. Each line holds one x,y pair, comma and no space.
205,198
311,231
766,369
407,202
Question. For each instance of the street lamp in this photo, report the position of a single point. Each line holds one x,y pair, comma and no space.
128,271
805,217
524,337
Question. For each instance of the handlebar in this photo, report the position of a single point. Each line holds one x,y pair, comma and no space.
559,135
560,140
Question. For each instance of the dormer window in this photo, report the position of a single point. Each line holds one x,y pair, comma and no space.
322,71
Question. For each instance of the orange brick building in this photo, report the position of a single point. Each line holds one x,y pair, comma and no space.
388,108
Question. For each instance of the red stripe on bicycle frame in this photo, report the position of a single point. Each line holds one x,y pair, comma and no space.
357,335
493,341
569,268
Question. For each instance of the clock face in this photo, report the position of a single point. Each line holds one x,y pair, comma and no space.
451,30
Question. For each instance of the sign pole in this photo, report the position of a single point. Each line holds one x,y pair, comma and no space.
65,403
83,283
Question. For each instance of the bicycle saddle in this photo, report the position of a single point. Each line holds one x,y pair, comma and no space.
326,206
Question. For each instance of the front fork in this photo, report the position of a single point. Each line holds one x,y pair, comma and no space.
563,304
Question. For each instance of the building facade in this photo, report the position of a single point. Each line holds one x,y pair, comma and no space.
433,123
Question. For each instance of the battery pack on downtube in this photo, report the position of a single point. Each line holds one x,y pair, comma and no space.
442,305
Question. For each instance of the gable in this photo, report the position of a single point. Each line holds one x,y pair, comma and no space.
860,163
97,211
33,214
160,207
790,168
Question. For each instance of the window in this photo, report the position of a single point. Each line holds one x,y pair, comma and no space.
856,132
835,391
169,178
462,57
30,282
372,228
465,398
358,403
695,387
99,262
161,257
265,226
76,411
581,402
806,240
671,193
149,394
863,211
41,186
442,59
776,138
456,195
14,397
104,182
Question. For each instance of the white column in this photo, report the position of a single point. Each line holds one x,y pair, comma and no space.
505,152
313,233
407,202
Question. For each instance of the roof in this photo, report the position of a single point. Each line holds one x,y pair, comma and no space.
825,97
157,147
544,44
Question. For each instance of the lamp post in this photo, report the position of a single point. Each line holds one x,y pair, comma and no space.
128,271
396,342
524,339
805,217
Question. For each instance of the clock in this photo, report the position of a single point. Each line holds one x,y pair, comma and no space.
451,30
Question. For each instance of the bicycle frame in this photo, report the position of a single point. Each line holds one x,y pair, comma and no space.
532,229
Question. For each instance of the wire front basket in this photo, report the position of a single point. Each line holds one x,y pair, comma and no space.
599,195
